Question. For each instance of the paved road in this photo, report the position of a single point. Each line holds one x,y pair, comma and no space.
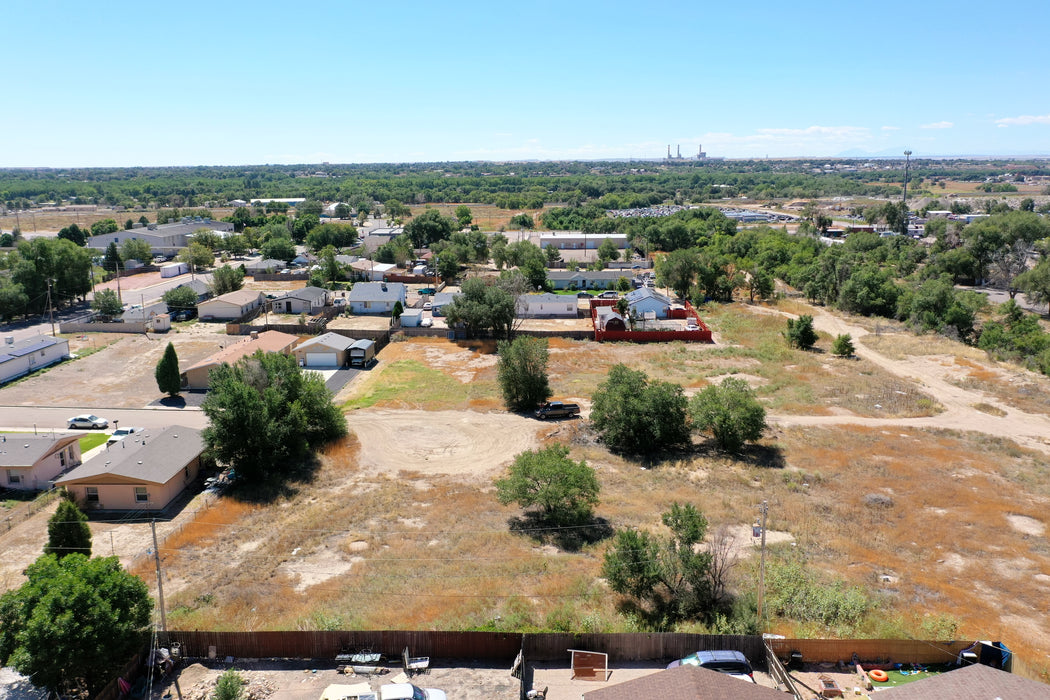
21,418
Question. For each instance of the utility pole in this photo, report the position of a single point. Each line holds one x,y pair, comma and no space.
763,510
50,308
907,163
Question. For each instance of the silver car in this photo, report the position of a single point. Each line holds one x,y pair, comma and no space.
88,420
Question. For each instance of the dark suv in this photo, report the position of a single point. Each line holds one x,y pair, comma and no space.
732,663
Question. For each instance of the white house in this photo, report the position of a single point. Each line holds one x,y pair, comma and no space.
376,297
267,265
308,300
441,299
645,299
370,270
546,306
230,306
20,357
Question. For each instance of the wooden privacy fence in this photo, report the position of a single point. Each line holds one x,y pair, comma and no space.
320,645
916,651
636,646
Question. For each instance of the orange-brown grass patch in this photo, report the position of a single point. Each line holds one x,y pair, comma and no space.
1011,386
488,217
927,507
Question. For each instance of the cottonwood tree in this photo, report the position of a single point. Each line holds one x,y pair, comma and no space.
522,372
198,255
136,249
226,279
668,576
266,413
564,491
638,416
678,269
107,303
180,298
730,412
169,379
68,531
75,619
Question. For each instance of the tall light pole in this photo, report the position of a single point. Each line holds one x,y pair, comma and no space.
907,163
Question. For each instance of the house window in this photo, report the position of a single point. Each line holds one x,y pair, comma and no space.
14,477
62,458
91,494
140,495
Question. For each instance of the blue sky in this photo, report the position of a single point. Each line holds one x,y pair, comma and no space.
117,83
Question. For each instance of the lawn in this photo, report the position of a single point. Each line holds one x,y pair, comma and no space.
91,441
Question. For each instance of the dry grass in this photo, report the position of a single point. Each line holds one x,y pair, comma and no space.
487,216
901,345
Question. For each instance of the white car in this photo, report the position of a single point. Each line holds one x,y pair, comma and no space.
426,322
88,420
427,306
407,691
121,433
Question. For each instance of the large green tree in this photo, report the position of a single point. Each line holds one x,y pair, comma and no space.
107,303
564,491
226,279
669,576
104,226
483,305
136,249
68,531
180,298
429,227
522,372
638,416
198,255
112,262
730,412
678,269
74,619
266,413
167,373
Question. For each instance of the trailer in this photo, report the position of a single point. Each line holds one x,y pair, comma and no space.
174,269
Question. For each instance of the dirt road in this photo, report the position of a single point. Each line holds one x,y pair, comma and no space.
928,372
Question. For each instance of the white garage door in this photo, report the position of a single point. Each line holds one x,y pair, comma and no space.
321,359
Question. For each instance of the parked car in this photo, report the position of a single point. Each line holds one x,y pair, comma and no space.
88,420
427,306
426,322
584,295
407,691
184,315
731,663
557,409
609,295
121,433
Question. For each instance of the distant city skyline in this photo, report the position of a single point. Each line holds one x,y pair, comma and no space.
131,84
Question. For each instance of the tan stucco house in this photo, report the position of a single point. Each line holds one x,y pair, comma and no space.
144,471
196,376
30,462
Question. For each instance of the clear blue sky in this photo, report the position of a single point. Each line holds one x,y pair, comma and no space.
117,83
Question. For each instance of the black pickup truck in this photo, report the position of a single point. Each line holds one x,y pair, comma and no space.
557,409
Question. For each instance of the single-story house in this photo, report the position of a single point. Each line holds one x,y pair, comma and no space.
200,287
646,299
441,299
370,270
163,239
362,352
230,306
974,682
196,376
546,306
376,297
144,314
267,265
29,462
144,471
685,682
303,259
577,240
308,300
24,356
327,350
586,279
410,318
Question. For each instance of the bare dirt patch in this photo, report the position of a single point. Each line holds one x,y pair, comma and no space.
440,442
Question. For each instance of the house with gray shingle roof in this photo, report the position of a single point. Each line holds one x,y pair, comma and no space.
685,683
308,300
376,297
144,471
29,462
